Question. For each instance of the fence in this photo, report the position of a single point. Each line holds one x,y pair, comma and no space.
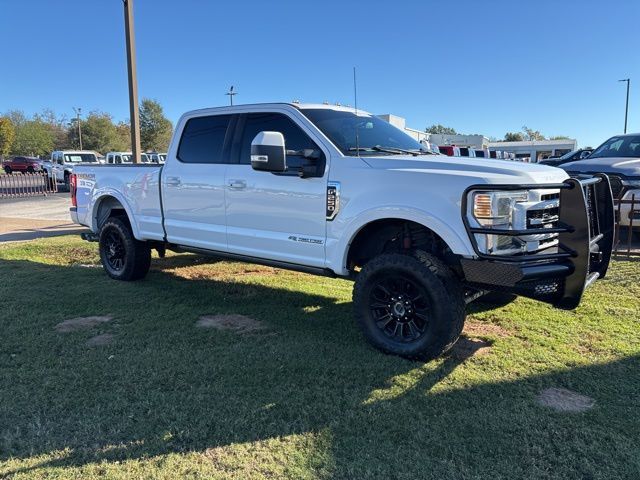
26,185
626,241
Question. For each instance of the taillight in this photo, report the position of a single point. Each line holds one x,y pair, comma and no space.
73,187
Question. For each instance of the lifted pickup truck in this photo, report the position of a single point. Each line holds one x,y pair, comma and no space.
331,191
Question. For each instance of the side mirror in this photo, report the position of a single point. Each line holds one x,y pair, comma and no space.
268,152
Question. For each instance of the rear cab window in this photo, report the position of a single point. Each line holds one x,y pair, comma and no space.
204,139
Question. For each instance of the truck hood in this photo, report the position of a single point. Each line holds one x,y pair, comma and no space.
479,170
625,166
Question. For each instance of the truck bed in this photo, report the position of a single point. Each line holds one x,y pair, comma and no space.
135,186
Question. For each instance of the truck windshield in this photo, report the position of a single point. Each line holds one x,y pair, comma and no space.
80,158
625,146
375,136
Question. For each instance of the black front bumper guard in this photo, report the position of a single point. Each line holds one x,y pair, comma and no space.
585,227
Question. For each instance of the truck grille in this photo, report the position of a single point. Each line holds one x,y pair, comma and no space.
616,186
544,218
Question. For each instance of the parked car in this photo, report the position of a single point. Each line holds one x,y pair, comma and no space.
22,165
619,158
497,154
568,157
319,189
467,152
449,150
156,157
483,153
125,157
62,162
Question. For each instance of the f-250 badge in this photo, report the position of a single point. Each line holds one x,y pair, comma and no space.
333,200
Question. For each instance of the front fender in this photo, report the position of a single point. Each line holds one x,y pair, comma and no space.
338,248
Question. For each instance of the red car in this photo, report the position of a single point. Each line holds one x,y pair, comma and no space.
449,150
22,164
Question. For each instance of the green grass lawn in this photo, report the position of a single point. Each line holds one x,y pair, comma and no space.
304,396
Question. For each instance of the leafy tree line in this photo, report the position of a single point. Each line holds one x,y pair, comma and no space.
527,134
45,132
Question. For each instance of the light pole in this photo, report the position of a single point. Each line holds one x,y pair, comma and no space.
231,93
626,108
78,112
133,81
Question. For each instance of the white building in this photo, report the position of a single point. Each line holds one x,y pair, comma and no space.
536,150
532,151
473,141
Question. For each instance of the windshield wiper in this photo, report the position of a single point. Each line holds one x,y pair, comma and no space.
378,148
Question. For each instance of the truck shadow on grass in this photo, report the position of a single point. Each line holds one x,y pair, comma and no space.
164,386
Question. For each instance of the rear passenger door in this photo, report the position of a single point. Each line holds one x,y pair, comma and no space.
193,188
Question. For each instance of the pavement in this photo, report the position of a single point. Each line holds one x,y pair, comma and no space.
36,217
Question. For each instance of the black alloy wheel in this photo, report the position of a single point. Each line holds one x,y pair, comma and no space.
400,307
115,250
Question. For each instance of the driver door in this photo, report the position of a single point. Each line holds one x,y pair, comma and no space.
276,216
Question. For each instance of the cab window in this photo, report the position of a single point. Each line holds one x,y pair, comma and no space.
203,140
296,141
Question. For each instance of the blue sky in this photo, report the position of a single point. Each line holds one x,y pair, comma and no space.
479,66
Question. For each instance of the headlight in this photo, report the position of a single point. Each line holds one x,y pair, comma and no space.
496,208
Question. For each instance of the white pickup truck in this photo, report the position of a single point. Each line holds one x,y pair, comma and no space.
62,163
331,191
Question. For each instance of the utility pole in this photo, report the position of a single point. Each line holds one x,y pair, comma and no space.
78,112
231,93
133,80
626,108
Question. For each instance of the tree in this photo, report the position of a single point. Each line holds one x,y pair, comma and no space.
124,135
155,128
513,137
32,138
17,117
530,134
7,136
440,129
98,133
58,127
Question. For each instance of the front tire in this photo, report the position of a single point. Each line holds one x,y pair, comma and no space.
123,257
409,305
7,170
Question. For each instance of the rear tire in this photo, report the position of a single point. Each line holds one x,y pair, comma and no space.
67,182
123,257
409,305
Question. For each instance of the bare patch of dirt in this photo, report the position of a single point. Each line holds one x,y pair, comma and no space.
564,400
81,323
480,328
236,323
467,347
100,340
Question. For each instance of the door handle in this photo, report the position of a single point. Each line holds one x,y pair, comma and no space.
237,184
173,181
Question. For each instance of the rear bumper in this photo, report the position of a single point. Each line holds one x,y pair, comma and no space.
585,227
